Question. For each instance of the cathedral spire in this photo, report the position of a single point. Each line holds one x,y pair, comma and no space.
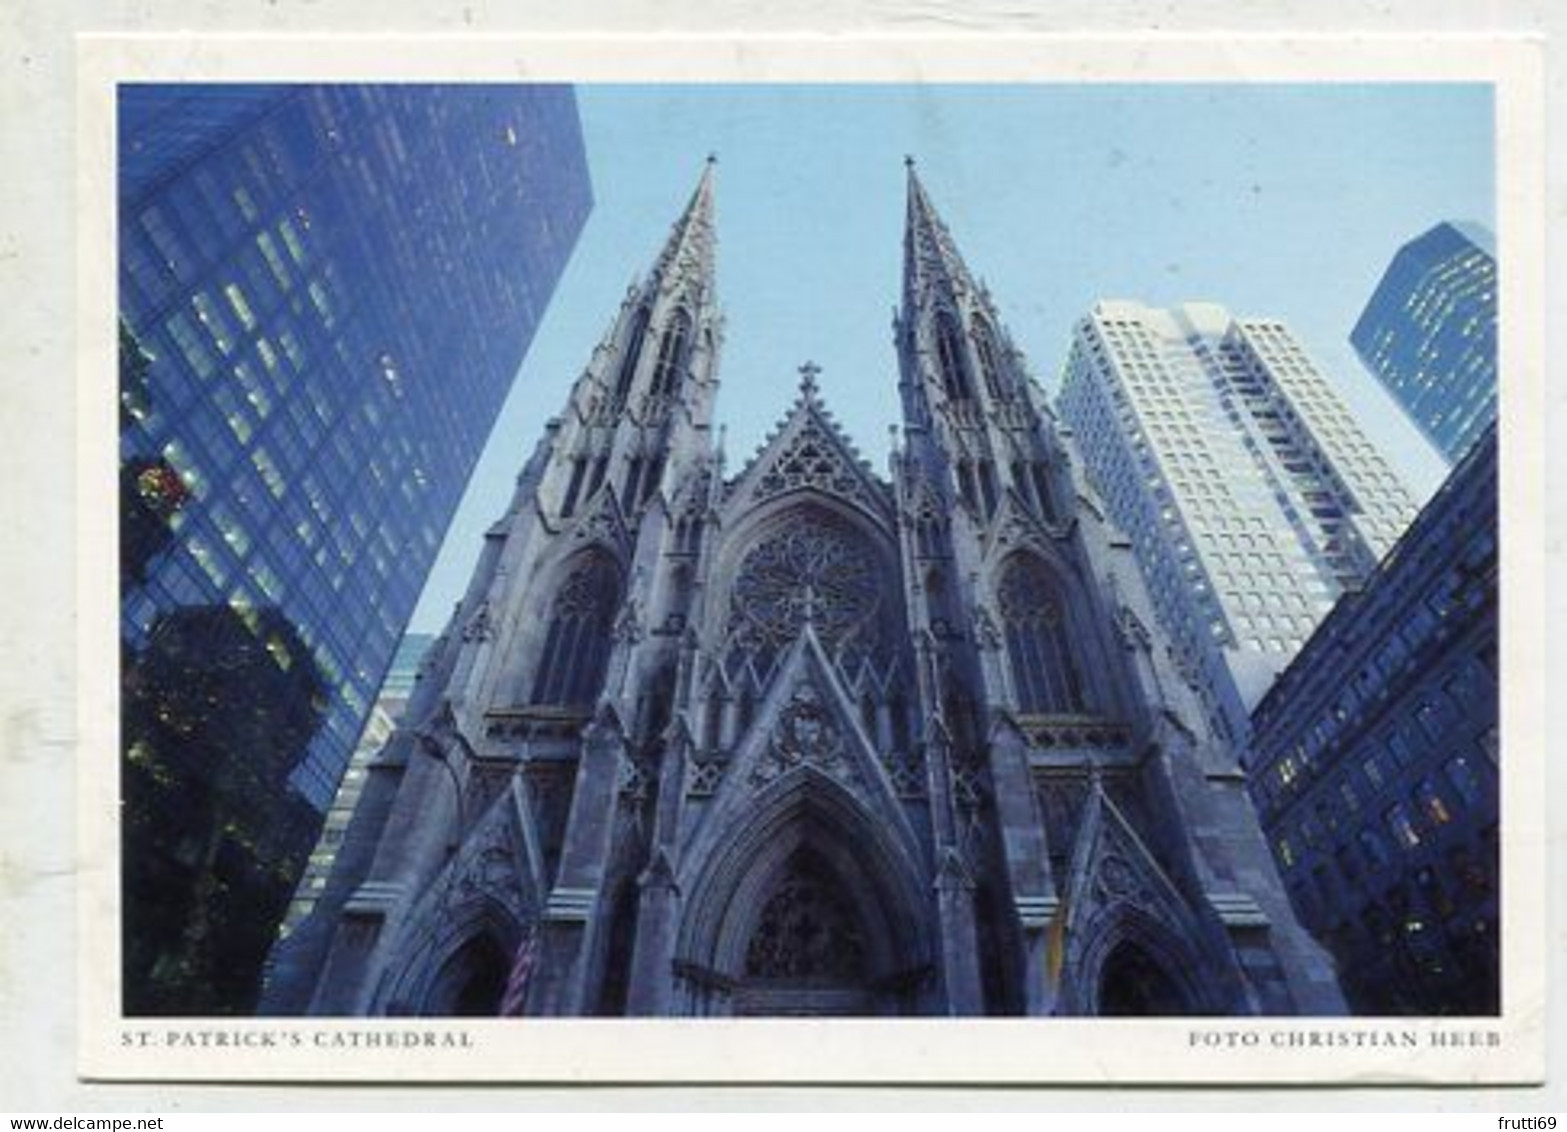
930,256
689,254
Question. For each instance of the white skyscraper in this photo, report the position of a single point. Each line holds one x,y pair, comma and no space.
1251,496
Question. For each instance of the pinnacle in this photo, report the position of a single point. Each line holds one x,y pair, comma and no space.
691,242
929,253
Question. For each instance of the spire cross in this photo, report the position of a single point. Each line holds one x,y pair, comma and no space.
808,374
908,161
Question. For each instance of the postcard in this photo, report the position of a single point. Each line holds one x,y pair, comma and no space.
964,560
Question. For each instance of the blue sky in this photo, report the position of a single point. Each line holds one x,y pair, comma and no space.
1283,201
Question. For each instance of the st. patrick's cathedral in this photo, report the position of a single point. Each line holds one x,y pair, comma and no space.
794,739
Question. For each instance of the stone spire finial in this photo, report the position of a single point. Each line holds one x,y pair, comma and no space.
929,254
808,372
691,244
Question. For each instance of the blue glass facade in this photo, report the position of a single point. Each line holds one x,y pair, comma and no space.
1429,334
334,287
1377,769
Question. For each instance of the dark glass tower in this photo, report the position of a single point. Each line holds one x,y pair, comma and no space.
325,295
1429,334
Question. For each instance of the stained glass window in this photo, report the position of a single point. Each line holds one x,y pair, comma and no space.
817,569
576,647
1044,672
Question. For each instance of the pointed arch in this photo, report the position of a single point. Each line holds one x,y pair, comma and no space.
950,358
1136,964
631,354
475,979
805,844
452,962
996,382
1133,983
1047,677
571,665
673,347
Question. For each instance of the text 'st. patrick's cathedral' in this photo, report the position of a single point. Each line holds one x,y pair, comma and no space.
798,740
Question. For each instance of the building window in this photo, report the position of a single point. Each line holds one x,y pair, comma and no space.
985,347
630,355
671,355
1044,672
1432,804
579,467
1372,847
949,353
1401,826
1465,778
576,646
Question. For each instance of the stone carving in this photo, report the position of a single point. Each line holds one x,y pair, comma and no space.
986,634
806,735
703,777
906,772
814,459
807,932
479,627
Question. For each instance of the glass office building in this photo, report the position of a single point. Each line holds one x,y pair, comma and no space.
335,286
384,715
1377,770
325,294
1429,334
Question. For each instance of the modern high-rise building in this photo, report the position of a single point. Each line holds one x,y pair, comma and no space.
1428,334
800,739
1376,773
384,714
1251,497
325,294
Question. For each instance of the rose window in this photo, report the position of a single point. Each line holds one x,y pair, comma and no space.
816,572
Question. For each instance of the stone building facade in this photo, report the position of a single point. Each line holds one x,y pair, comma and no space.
801,740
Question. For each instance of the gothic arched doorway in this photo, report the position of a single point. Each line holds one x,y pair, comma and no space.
471,983
1134,984
803,905
807,954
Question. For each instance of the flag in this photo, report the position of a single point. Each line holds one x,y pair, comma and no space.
1055,944
516,996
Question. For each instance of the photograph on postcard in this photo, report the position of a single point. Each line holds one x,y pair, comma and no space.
808,550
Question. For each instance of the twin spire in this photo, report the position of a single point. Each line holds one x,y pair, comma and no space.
690,250
929,253
930,256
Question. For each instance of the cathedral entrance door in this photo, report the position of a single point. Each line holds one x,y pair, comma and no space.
807,952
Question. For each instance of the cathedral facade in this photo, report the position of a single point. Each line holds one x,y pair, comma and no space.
796,739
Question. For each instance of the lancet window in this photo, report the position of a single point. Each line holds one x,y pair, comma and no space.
949,353
985,346
579,467
631,355
576,645
1045,675
671,355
